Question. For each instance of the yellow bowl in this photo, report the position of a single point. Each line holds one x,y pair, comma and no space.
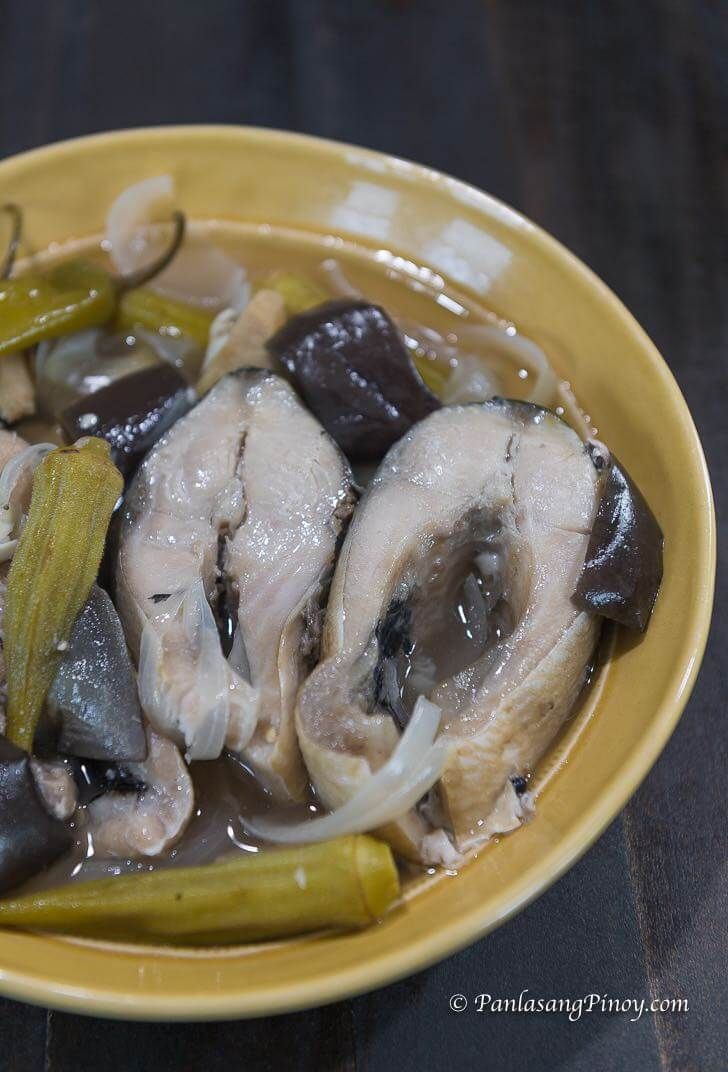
490,250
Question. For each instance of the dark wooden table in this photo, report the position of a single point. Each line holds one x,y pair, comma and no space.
605,121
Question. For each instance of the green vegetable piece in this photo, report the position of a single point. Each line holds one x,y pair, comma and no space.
44,305
299,292
75,490
146,309
16,231
344,883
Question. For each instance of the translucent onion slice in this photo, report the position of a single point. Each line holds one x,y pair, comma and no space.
207,692
413,768
134,208
199,274
471,380
515,350
20,467
203,275
181,353
187,689
77,365
480,358
575,415
337,281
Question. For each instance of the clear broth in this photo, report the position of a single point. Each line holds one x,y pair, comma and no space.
225,790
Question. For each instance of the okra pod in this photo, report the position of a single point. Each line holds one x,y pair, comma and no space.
57,559
344,883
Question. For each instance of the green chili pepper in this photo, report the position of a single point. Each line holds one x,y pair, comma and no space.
146,309
299,292
36,306
347,882
70,297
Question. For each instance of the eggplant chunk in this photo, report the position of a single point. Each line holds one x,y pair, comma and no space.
30,838
349,363
455,583
94,694
622,569
130,414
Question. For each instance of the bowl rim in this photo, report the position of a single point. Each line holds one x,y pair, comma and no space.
455,933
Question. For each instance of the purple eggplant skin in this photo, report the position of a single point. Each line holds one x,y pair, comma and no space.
30,838
622,569
93,698
351,367
130,414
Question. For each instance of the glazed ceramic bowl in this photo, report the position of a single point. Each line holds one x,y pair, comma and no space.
485,248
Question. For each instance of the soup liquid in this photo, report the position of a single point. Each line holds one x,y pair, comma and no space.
424,305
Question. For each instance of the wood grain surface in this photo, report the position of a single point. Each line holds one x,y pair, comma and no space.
606,122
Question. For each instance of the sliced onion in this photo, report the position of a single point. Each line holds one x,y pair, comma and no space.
203,275
238,292
180,353
160,697
196,706
199,274
413,768
578,420
134,208
515,349
75,366
474,378
430,342
337,281
220,330
18,467
470,381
